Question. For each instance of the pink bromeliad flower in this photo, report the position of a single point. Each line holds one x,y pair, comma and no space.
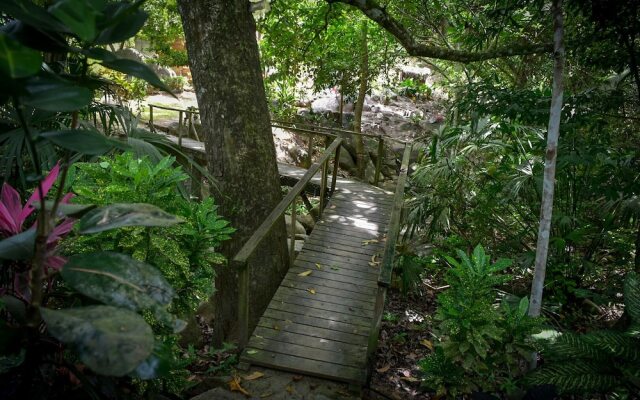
13,216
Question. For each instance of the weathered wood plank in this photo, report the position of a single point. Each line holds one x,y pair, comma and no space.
364,305
356,257
361,264
303,365
348,358
321,305
288,326
306,285
319,313
318,280
308,341
348,272
317,322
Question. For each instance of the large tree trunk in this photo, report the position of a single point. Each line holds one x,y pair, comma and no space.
548,185
224,59
361,159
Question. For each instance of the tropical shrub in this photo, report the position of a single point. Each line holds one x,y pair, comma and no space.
186,254
76,320
484,342
603,362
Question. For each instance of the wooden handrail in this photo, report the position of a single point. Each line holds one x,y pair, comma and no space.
240,260
393,231
384,278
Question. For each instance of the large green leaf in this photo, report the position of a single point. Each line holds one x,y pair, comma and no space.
120,215
119,280
29,13
137,69
18,247
109,340
632,296
68,209
85,141
52,94
122,21
78,15
16,60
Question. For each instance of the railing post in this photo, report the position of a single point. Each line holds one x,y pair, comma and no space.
151,125
310,151
180,122
376,180
292,245
336,164
243,302
323,187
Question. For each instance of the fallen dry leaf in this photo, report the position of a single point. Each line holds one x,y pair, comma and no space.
266,394
297,378
318,266
305,273
311,290
255,375
252,351
290,389
427,343
383,369
410,379
368,242
234,386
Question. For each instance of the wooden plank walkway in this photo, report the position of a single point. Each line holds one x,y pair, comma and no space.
319,320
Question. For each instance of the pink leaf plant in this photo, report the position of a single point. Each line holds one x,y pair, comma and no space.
12,218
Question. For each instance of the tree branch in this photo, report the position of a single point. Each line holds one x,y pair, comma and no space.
378,14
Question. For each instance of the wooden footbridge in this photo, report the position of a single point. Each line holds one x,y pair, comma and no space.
324,319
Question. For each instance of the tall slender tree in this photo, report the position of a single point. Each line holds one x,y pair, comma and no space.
548,184
225,65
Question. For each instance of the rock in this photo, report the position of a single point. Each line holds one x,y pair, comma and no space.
370,172
303,112
301,236
299,226
191,334
131,54
416,73
307,221
324,104
297,153
389,185
348,107
219,393
162,71
346,161
297,246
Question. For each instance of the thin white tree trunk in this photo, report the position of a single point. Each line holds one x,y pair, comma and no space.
548,185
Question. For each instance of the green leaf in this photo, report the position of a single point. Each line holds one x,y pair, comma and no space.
159,363
109,340
119,280
84,141
10,361
632,296
78,16
51,94
16,60
18,247
137,69
68,209
29,13
124,27
121,215
523,307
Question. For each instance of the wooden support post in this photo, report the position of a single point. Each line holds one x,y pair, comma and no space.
292,245
192,127
323,187
376,180
243,302
310,151
308,205
372,345
151,125
336,164
180,122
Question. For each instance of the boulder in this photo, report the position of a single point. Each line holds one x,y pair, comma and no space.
325,104
299,226
307,221
346,161
297,153
162,71
131,54
370,172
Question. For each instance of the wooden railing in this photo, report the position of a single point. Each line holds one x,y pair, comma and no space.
188,113
297,127
240,261
386,269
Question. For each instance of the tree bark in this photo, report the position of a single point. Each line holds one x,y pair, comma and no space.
361,159
379,15
223,56
548,184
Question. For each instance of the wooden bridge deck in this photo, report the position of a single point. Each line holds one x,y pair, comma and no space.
319,320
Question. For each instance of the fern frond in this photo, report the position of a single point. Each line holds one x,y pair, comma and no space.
632,296
617,344
573,346
574,377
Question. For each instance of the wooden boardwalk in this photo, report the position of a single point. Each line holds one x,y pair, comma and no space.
319,320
